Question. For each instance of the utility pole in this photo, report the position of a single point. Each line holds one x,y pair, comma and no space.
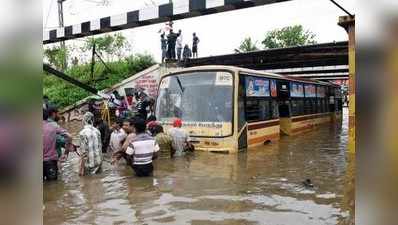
348,23
61,25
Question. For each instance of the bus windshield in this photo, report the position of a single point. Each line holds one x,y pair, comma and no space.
196,97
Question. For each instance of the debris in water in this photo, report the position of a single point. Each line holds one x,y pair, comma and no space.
308,183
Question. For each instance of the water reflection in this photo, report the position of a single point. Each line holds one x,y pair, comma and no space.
262,186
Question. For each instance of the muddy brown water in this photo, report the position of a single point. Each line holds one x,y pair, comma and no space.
260,186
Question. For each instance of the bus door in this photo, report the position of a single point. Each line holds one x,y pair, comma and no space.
283,98
242,122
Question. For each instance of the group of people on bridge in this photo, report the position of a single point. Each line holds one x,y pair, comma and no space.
172,46
135,139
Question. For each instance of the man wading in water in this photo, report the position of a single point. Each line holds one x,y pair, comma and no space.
50,157
90,149
180,138
142,150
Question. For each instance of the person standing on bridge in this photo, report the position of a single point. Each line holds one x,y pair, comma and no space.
163,44
187,54
179,45
171,44
195,42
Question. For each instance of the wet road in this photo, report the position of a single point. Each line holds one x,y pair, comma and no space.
261,186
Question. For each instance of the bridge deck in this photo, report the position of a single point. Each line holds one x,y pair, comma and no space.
319,55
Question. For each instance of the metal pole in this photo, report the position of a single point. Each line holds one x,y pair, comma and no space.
103,62
61,25
93,62
69,79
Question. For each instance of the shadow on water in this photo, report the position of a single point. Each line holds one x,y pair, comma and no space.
261,186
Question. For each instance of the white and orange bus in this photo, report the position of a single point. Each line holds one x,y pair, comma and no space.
227,109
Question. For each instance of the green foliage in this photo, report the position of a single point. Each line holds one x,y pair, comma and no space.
107,45
56,56
288,37
63,93
247,45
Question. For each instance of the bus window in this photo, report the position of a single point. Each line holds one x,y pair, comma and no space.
294,108
327,105
313,103
284,109
258,109
332,103
321,105
318,106
301,106
297,107
274,109
252,110
265,110
197,97
241,103
307,106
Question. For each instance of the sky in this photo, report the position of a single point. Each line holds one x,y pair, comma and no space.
219,33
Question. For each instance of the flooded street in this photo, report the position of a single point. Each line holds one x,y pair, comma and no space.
261,186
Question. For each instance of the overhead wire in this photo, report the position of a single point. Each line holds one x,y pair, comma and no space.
99,3
48,13
342,8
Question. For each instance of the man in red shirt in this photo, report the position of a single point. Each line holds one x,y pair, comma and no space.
50,156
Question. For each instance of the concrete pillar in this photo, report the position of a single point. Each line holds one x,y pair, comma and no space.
348,23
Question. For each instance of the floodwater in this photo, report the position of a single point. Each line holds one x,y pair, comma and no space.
261,186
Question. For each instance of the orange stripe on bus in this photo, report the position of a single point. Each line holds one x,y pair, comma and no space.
263,138
263,125
307,127
309,117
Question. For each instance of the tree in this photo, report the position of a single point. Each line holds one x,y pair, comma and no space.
247,45
56,56
289,36
63,93
108,45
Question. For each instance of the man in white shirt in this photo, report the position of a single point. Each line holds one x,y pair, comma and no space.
117,136
179,45
90,148
128,129
142,150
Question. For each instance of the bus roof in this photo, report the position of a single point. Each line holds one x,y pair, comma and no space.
254,72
